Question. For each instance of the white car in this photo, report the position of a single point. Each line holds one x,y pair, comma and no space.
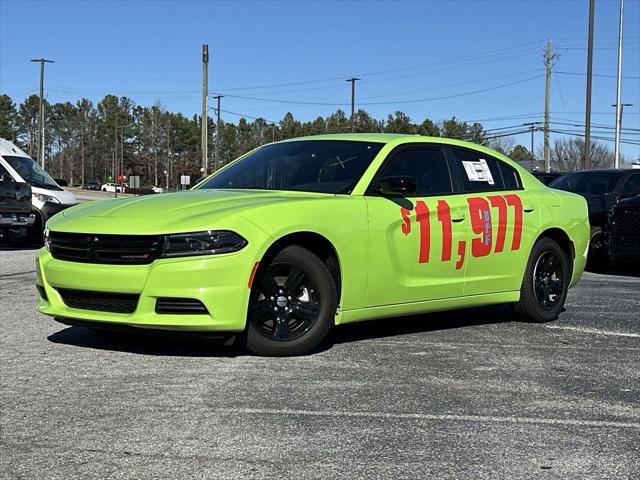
155,189
48,198
112,187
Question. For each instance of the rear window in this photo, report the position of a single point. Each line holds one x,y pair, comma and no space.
510,176
478,172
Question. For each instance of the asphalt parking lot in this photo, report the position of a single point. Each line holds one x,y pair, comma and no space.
465,394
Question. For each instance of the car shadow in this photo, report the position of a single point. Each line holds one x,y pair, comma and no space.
631,270
164,345
170,346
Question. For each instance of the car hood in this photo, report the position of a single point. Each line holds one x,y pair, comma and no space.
168,212
629,202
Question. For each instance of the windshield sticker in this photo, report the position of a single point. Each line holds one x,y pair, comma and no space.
478,171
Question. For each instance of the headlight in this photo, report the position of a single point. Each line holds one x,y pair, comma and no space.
201,243
45,198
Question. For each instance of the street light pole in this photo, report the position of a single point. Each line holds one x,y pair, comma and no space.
41,61
616,160
205,118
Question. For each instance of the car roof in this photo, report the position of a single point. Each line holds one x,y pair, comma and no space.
397,138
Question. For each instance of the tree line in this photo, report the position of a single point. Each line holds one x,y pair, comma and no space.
86,142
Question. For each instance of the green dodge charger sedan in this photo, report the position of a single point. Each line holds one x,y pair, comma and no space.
300,235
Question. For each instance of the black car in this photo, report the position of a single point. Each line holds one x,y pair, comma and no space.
91,186
546,177
602,190
622,235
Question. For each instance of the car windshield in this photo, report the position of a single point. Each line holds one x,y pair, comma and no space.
32,173
324,166
594,183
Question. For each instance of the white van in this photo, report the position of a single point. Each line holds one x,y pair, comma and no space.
48,198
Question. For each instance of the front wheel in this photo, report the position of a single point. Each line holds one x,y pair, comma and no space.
545,284
292,305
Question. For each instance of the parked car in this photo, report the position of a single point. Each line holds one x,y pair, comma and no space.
155,189
602,190
303,234
15,209
546,177
91,186
113,187
47,197
622,235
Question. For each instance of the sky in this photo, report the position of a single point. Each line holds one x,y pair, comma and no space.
475,59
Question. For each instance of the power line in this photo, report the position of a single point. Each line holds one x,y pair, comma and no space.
631,77
396,102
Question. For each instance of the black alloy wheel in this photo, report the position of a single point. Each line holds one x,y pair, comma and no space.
292,304
548,280
545,283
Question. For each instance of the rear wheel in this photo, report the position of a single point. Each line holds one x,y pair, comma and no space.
545,284
292,305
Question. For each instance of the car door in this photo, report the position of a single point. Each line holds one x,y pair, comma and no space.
415,239
503,221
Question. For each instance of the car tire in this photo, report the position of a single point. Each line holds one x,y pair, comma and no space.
545,283
292,305
18,237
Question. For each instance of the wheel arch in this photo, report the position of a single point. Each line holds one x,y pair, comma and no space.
563,239
314,242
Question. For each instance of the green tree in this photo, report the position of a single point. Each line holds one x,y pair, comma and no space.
8,118
520,153
399,122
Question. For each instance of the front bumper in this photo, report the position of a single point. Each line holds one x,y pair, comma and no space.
220,282
17,219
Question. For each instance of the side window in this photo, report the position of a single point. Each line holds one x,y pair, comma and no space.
4,174
510,176
477,172
631,186
427,165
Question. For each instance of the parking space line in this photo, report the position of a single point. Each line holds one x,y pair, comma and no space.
428,416
595,331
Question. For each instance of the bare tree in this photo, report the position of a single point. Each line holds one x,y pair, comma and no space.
567,155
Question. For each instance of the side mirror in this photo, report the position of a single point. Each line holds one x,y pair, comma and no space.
397,185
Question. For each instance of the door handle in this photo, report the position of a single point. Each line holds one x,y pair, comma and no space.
457,218
528,208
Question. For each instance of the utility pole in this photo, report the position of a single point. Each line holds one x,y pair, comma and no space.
115,154
587,115
84,119
533,126
616,160
168,167
353,81
205,116
216,164
549,57
41,61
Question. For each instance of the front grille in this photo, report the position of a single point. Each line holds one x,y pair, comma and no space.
105,249
180,306
626,220
99,301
